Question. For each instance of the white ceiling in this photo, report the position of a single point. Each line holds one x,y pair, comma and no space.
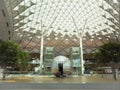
63,22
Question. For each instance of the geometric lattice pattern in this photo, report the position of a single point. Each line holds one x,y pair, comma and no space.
62,22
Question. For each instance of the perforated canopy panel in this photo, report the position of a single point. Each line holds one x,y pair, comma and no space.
62,22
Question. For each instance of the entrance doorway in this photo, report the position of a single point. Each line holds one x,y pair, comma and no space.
60,69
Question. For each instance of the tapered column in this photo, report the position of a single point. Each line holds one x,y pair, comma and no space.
81,55
41,53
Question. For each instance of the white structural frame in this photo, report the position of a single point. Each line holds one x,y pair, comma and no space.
81,55
80,35
41,48
42,43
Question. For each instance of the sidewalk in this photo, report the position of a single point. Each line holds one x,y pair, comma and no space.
53,79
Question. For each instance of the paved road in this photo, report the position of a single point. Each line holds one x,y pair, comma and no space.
59,86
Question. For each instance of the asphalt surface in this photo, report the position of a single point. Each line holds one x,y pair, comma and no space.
59,86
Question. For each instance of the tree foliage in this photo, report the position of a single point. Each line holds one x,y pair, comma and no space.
22,60
109,52
10,55
8,52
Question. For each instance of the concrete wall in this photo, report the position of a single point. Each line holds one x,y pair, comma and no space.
5,24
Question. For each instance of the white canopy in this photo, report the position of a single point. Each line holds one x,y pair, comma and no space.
63,21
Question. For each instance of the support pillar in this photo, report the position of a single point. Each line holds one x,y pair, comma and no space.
41,53
81,55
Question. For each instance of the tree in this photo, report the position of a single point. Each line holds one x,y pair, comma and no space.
8,53
22,60
109,53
